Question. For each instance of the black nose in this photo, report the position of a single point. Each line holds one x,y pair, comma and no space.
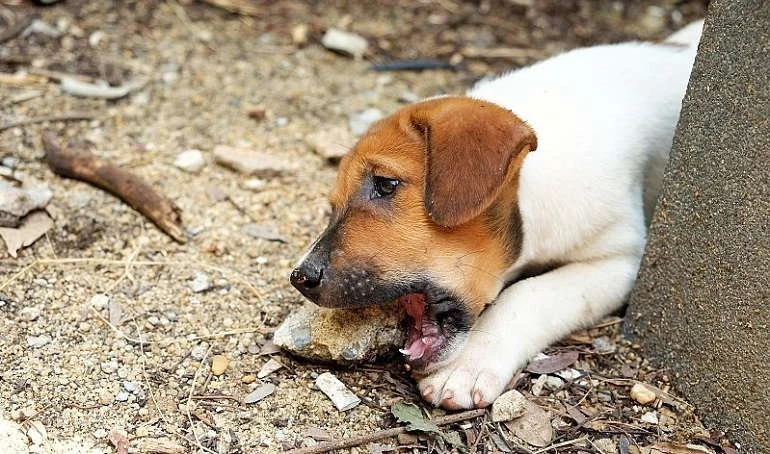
307,278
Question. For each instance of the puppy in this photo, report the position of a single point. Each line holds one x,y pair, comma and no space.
504,219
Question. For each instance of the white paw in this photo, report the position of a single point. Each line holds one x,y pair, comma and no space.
470,381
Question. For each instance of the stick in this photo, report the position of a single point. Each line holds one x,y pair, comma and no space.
371,437
66,117
15,28
128,187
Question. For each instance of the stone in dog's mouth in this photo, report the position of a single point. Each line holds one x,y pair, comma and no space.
426,336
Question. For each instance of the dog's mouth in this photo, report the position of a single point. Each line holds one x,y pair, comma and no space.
433,324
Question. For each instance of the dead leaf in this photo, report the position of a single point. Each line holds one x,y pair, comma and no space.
119,439
160,446
259,393
269,348
534,426
318,434
553,363
671,448
33,226
412,415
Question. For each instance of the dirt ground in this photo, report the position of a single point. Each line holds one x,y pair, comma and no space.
127,343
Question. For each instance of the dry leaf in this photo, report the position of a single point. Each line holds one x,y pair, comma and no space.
33,226
671,448
534,426
553,363
119,439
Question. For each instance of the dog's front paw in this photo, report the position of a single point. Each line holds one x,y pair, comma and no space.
468,382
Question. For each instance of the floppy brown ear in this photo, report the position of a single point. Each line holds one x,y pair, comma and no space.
470,148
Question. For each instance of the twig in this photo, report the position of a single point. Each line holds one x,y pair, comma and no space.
561,445
371,437
75,116
189,401
15,28
84,166
243,7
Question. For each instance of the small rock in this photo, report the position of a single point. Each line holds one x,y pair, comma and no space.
100,433
141,431
219,364
198,352
341,335
109,367
553,383
17,201
331,144
508,406
259,393
200,283
642,394
29,313
299,34
345,42
121,396
270,366
340,395
37,433
105,397
408,96
39,341
606,446
250,378
99,301
262,232
249,161
130,386
255,184
359,122
190,161
650,417
603,345
406,438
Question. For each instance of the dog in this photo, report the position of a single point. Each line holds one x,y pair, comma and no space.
507,218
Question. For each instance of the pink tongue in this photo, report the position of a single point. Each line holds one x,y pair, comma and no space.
415,350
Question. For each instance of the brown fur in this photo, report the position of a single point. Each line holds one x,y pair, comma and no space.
454,215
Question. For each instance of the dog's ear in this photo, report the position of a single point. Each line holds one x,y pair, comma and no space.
472,147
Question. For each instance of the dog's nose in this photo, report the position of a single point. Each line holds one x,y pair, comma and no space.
307,278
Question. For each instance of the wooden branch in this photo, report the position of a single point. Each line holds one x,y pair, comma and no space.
84,166
372,437
76,116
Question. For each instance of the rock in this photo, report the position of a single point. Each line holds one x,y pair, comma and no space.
105,397
100,433
340,395
263,232
190,161
198,352
603,345
29,313
200,283
219,364
508,406
99,301
250,162
39,341
121,396
331,144
109,367
250,378
270,366
255,184
650,417
299,34
345,42
37,433
130,386
405,438
259,393
642,394
342,335
359,122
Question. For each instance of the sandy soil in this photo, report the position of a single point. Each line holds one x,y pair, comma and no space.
148,374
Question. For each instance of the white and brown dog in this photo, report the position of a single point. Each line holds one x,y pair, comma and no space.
497,250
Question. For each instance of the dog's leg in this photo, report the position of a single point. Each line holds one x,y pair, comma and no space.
525,319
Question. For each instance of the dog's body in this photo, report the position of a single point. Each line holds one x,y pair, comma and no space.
446,207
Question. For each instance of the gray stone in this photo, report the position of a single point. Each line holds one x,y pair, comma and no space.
17,201
345,42
700,307
359,122
190,161
250,162
200,283
38,341
342,335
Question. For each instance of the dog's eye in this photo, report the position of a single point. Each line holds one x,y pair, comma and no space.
384,186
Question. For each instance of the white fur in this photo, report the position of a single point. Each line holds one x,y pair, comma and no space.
604,118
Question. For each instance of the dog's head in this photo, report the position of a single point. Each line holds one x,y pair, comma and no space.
424,211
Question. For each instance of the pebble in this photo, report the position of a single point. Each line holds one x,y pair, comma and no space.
259,393
270,366
190,161
105,397
345,42
142,431
99,301
248,161
360,121
39,341
406,438
219,364
200,283
17,201
130,386
650,417
263,232
29,313
340,395
121,396
299,34
100,433
198,352
255,184
37,433
250,378
332,143
603,345
109,367
642,394
508,406
341,335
